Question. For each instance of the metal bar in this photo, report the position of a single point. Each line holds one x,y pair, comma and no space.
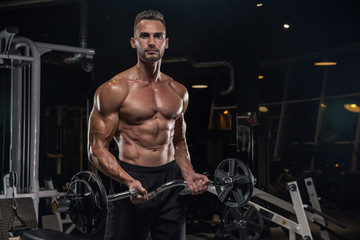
355,154
299,210
3,76
81,139
35,117
277,218
282,114
17,136
330,231
211,117
42,193
16,57
21,3
311,209
237,133
313,99
164,187
225,107
87,125
46,47
25,141
48,193
153,194
277,201
320,115
11,113
336,142
272,199
27,131
314,200
21,195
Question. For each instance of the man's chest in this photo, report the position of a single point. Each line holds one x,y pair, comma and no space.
144,102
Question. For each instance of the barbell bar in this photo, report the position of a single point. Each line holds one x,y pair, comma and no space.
86,199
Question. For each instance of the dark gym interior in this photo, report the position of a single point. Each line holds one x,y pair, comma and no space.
266,103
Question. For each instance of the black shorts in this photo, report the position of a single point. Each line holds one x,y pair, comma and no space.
163,217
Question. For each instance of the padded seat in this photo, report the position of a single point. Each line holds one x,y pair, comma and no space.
48,234
27,227
4,234
25,210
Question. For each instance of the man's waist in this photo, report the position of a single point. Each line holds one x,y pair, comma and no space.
133,166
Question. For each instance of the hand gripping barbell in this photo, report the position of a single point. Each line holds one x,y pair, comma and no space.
86,199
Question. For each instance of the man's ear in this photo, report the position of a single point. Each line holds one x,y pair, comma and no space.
167,43
132,42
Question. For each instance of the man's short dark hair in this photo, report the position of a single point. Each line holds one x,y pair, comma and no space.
149,15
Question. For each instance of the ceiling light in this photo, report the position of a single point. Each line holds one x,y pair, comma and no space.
260,77
198,86
286,25
325,60
226,112
259,5
352,107
263,109
325,63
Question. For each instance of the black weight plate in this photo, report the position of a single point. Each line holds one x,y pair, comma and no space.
239,191
89,213
243,223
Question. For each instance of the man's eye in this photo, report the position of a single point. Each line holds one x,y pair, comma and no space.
144,35
159,36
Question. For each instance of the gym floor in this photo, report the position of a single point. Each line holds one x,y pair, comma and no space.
351,219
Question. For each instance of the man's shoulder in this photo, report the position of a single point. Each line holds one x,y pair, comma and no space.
177,86
115,89
122,77
120,80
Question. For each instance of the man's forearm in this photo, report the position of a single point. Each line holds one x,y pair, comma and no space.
182,158
103,160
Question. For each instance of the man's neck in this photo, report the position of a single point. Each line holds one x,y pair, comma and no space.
149,71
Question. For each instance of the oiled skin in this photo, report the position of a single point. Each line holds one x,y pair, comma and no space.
142,109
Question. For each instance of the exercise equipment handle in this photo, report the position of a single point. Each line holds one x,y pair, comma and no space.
151,195
122,195
162,188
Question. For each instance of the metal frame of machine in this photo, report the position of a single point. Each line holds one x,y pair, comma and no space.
305,214
18,53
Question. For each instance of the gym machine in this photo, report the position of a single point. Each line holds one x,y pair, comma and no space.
247,222
20,67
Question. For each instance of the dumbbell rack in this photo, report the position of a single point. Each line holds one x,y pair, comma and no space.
304,213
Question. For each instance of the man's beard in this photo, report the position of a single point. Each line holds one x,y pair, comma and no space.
151,57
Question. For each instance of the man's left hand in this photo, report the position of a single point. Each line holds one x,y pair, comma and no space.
197,183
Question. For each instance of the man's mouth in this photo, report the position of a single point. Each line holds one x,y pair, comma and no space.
151,51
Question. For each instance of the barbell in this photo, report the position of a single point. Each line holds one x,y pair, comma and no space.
86,199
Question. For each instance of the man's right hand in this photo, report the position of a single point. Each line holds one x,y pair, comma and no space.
143,194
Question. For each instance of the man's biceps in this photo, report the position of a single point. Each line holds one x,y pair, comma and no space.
100,137
104,124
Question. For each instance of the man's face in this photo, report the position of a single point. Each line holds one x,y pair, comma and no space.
150,40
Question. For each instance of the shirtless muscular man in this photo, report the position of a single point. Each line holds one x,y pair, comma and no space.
142,109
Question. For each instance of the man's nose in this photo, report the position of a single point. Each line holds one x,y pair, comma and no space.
151,41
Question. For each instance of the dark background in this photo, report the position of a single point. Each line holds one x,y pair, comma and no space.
253,40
